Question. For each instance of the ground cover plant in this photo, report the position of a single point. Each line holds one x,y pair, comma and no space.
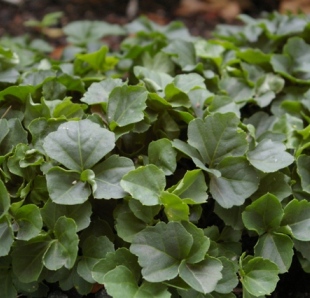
173,166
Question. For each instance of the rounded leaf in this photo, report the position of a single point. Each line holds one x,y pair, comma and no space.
79,145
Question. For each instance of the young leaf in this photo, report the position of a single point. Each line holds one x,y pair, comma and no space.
258,276
62,251
263,215
79,145
65,187
108,175
145,184
269,156
297,218
163,155
192,188
29,221
97,60
126,105
217,137
237,182
202,276
175,208
277,248
160,250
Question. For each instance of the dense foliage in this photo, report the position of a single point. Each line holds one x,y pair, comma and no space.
172,167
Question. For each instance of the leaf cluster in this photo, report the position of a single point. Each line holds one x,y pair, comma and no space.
173,166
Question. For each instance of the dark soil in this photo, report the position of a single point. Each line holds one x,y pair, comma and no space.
12,17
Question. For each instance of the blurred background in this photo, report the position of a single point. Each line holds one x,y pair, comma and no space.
200,16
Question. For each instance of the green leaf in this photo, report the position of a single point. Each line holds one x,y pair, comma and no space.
126,105
258,276
155,81
269,156
303,162
99,92
237,88
84,32
145,213
274,183
160,250
238,181
191,152
4,200
121,257
217,137
108,175
97,60
4,129
17,134
202,276
224,104
29,221
39,128
182,53
66,108
127,224
229,279
94,249
175,208
162,154
297,218
145,184
76,144
263,215
232,216
27,258
62,250
192,188
79,213
148,289
122,275
200,245
266,89
277,248
65,187
6,236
